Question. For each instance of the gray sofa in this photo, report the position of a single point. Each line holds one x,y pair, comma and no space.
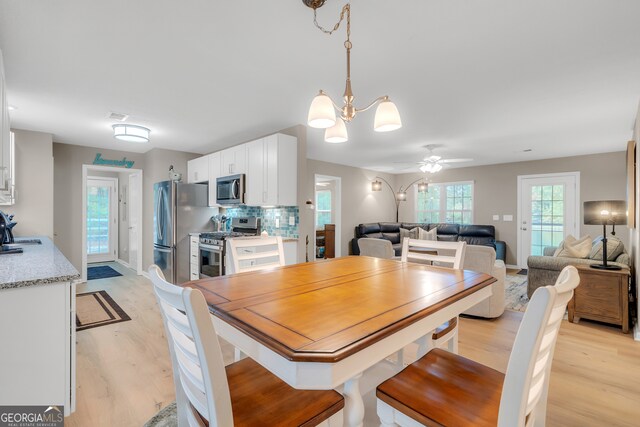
544,270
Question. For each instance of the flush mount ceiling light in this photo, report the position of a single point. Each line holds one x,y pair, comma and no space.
322,113
130,133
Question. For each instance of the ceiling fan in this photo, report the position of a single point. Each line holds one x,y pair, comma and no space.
434,163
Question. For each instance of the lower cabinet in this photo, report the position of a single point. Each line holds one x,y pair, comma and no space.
38,336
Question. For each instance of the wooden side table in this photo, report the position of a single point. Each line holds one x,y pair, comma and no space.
602,295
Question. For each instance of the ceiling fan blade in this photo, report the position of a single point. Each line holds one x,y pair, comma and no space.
456,160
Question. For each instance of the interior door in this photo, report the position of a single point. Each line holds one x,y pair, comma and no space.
548,212
134,216
102,219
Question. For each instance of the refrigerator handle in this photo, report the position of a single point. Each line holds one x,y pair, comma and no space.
160,220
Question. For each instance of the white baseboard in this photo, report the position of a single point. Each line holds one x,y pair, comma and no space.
126,264
145,274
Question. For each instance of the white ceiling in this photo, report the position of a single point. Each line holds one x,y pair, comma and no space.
484,79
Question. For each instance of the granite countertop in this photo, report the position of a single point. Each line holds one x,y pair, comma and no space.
36,265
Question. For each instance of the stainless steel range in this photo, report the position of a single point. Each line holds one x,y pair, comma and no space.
213,247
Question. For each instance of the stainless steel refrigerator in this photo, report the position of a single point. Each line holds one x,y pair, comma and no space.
179,209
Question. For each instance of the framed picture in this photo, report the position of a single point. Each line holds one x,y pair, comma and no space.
631,184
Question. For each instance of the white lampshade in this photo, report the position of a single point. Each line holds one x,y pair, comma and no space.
130,133
387,117
321,113
336,133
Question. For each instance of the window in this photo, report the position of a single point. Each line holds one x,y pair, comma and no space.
447,202
323,208
547,217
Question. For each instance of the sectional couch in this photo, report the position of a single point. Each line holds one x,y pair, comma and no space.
472,234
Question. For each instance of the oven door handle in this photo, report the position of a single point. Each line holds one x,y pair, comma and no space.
210,247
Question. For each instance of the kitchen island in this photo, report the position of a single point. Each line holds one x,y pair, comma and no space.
37,326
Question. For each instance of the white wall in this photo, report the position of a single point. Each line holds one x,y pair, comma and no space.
34,184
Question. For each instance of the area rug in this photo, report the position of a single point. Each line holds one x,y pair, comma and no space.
101,272
167,417
97,308
515,292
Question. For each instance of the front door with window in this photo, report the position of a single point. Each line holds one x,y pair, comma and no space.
548,212
102,219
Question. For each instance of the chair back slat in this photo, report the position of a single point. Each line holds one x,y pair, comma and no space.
266,248
526,383
377,248
195,353
415,250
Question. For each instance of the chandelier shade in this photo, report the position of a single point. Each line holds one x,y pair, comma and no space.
387,117
336,133
321,113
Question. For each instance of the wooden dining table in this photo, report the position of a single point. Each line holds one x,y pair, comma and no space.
320,325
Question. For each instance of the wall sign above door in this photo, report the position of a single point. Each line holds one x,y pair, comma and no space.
106,162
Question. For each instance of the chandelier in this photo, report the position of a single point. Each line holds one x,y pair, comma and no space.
322,113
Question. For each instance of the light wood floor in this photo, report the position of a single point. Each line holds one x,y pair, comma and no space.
124,373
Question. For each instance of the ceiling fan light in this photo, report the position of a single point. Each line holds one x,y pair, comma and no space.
436,168
387,117
130,133
336,133
424,168
321,112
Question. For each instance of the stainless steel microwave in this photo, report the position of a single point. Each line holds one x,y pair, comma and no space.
230,190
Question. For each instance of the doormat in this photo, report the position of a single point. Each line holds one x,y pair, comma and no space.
97,308
101,272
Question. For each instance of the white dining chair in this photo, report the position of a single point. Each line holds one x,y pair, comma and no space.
242,394
446,389
452,255
256,253
377,248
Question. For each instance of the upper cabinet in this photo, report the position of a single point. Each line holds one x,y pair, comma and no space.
272,171
234,160
270,165
198,170
7,151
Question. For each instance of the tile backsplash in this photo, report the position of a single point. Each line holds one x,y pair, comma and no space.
268,218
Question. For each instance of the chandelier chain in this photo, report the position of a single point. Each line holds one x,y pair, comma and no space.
346,10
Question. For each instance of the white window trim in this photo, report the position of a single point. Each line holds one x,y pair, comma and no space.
442,184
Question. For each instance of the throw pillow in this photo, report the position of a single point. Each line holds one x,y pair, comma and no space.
574,248
428,235
412,234
615,248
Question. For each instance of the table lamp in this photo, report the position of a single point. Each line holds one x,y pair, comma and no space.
605,212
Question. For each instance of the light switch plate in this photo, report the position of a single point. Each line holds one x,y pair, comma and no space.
496,217
277,222
292,220
507,217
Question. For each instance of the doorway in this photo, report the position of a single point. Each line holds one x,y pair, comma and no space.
548,211
102,219
122,231
327,201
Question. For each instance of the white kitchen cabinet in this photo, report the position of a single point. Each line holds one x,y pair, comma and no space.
7,151
234,160
290,252
198,170
272,171
215,171
194,257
